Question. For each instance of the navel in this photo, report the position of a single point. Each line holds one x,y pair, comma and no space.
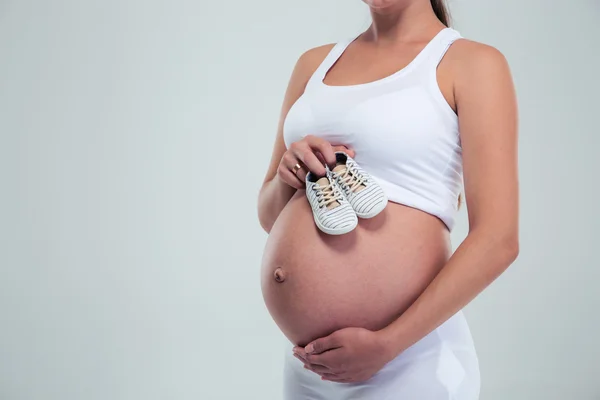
279,275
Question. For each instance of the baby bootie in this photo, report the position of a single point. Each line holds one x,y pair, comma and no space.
332,212
365,196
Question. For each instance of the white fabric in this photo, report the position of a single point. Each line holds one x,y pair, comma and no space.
441,366
403,131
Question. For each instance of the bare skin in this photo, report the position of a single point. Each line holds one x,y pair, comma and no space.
358,300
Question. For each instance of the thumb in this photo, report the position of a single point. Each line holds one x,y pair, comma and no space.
321,345
345,149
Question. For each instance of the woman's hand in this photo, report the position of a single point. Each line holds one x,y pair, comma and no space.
347,355
309,154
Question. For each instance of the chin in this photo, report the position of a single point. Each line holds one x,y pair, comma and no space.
380,4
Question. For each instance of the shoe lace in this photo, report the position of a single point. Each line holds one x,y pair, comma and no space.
351,178
327,194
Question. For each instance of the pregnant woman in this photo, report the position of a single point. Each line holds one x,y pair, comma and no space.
375,313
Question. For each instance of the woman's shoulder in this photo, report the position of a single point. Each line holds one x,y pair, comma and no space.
468,55
307,64
480,71
310,59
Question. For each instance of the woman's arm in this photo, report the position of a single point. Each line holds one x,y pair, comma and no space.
275,193
487,113
485,100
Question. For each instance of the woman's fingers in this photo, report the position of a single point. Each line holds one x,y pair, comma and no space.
303,152
296,166
318,369
286,171
322,146
288,177
309,154
320,157
301,173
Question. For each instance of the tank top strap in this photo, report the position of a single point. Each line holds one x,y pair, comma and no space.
428,71
440,46
334,54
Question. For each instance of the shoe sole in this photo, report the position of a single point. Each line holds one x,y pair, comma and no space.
334,232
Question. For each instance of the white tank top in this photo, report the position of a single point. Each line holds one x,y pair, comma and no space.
401,128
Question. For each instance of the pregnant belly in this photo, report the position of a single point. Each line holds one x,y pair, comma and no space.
314,283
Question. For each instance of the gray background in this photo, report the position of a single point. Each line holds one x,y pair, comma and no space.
134,138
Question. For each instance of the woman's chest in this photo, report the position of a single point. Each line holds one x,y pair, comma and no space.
396,123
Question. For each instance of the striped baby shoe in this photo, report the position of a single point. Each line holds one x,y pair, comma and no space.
365,196
332,212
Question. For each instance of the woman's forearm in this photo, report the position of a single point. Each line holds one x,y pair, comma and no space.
272,198
478,261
